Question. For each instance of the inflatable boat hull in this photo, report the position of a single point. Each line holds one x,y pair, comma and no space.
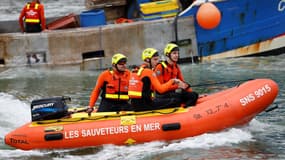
232,107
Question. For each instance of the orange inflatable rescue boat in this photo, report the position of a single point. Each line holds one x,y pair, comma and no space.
215,112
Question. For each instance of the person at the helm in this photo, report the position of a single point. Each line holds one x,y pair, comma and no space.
143,82
113,86
169,69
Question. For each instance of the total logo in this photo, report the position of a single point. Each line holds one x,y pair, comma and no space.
31,13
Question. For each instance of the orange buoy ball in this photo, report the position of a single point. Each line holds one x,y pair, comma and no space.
208,16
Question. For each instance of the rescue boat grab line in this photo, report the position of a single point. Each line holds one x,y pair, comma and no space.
223,82
106,116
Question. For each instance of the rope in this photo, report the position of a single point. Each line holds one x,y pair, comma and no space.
108,116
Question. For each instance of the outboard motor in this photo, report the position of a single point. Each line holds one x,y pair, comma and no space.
49,108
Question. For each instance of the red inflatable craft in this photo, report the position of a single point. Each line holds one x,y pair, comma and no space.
215,112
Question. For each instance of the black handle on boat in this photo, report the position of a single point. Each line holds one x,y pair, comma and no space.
66,98
272,108
224,82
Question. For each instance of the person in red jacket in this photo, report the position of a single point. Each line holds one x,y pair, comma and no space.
143,82
169,69
113,86
33,16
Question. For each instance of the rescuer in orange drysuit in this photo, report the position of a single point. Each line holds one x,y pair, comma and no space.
143,82
169,69
113,86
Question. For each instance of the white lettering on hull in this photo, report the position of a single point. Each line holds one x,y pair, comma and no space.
255,95
136,128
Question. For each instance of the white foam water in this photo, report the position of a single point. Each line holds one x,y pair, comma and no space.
13,113
206,141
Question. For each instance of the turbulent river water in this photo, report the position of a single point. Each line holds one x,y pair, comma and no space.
263,138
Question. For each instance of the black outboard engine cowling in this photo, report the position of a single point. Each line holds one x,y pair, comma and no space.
49,108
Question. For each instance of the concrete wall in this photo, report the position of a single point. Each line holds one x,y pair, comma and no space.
61,47
13,26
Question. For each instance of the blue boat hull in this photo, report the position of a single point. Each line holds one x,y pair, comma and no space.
243,23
